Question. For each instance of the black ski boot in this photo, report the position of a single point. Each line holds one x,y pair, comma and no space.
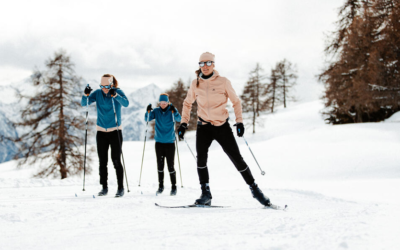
258,195
120,192
103,192
205,197
160,189
173,191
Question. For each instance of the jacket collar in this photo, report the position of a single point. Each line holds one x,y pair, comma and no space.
215,75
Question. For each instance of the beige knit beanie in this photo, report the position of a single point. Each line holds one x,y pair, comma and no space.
207,56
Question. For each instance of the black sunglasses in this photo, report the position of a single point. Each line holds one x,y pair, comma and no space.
106,87
208,63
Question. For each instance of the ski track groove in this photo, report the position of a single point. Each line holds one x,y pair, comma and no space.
136,219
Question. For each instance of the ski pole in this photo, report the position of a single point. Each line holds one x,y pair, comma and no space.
262,172
177,150
84,161
190,150
145,136
120,144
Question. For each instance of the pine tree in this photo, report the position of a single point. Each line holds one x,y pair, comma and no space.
56,127
253,97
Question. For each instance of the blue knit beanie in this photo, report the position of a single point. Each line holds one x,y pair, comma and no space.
163,98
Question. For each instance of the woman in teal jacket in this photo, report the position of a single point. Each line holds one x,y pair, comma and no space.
107,132
165,139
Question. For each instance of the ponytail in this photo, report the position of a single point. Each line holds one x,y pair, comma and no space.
198,75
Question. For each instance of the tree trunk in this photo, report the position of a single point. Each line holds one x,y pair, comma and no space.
273,97
254,122
61,134
284,91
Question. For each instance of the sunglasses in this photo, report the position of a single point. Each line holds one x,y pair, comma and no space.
105,87
208,63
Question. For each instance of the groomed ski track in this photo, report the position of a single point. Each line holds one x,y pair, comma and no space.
349,202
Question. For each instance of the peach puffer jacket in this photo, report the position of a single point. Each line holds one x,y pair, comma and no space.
212,95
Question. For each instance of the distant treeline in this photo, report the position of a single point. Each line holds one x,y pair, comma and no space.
362,78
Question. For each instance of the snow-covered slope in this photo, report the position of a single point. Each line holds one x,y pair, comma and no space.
341,184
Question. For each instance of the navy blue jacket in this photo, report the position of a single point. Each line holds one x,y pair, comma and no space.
105,111
165,132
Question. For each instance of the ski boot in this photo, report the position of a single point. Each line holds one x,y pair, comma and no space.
120,192
205,197
258,195
160,189
173,190
103,192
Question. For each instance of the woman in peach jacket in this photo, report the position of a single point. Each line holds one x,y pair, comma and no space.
211,91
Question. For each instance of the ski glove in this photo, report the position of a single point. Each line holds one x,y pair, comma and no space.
172,107
149,108
181,130
113,92
87,90
239,129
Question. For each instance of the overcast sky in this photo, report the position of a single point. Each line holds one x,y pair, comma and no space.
143,42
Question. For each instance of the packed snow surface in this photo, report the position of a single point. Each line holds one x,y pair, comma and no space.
341,184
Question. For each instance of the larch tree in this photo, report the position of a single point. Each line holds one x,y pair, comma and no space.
254,97
272,91
177,94
56,127
362,78
287,74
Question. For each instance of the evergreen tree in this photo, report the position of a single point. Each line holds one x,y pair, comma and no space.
253,97
56,128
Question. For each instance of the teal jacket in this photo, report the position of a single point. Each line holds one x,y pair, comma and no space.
165,130
105,111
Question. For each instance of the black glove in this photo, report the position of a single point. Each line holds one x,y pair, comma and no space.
239,129
87,90
172,107
149,108
113,92
181,130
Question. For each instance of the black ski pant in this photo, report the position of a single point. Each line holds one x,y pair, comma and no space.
205,135
104,141
165,151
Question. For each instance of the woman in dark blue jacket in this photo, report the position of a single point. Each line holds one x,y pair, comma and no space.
165,139
107,131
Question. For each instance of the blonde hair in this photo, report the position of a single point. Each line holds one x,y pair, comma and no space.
164,94
115,82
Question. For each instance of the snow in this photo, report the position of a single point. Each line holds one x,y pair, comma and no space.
340,182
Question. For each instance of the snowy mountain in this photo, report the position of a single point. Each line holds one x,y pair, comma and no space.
340,182
132,118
